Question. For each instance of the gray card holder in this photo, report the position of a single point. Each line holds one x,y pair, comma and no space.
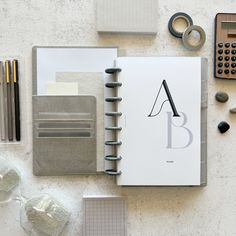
64,135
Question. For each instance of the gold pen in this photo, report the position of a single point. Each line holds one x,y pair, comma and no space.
9,100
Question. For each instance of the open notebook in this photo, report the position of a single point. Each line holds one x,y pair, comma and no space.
157,131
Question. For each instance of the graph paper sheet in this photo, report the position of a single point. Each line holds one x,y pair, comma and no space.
104,216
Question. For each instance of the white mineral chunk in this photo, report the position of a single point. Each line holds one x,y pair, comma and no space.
46,215
9,178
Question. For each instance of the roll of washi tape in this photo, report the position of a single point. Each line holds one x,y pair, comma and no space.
187,35
178,23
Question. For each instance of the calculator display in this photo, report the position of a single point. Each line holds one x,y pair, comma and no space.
228,24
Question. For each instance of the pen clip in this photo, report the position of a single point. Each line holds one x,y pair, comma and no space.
7,71
14,62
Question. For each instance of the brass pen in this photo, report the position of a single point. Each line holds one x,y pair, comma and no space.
9,100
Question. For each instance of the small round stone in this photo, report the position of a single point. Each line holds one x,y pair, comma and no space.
233,110
223,126
222,96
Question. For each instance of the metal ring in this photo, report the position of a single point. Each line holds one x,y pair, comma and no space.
113,143
113,113
186,37
113,99
112,158
113,128
112,70
174,18
112,172
113,84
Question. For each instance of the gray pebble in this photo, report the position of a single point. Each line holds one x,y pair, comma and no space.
233,110
221,96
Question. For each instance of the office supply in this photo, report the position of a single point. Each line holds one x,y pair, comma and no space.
64,135
181,25
187,37
84,66
178,23
104,216
9,100
16,99
61,88
158,139
2,103
127,16
48,61
225,46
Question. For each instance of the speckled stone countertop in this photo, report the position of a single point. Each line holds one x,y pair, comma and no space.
152,211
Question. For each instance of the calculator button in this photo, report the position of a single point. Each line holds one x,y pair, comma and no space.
233,72
233,45
227,58
220,64
220,51
220,58
233,52
226,64
233,58
220,45
220,71
227,51
227,45
233,65
226,71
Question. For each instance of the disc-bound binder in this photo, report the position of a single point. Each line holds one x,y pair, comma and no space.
114,114
156,134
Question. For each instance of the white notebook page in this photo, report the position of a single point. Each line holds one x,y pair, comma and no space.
162,149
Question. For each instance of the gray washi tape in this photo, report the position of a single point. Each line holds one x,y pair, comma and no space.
186,37
177,16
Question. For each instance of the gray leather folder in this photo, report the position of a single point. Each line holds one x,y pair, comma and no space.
64,135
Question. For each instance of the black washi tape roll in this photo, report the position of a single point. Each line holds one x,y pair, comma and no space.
177,16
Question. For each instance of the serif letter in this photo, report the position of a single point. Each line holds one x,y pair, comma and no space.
169,99
170,125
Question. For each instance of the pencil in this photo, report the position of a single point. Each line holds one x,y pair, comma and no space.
9,101
17,99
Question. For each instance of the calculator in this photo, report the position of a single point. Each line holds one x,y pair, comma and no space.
225,46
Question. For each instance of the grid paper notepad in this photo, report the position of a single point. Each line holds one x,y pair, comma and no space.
104,216
127,16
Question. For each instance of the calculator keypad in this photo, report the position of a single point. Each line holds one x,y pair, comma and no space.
226,60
